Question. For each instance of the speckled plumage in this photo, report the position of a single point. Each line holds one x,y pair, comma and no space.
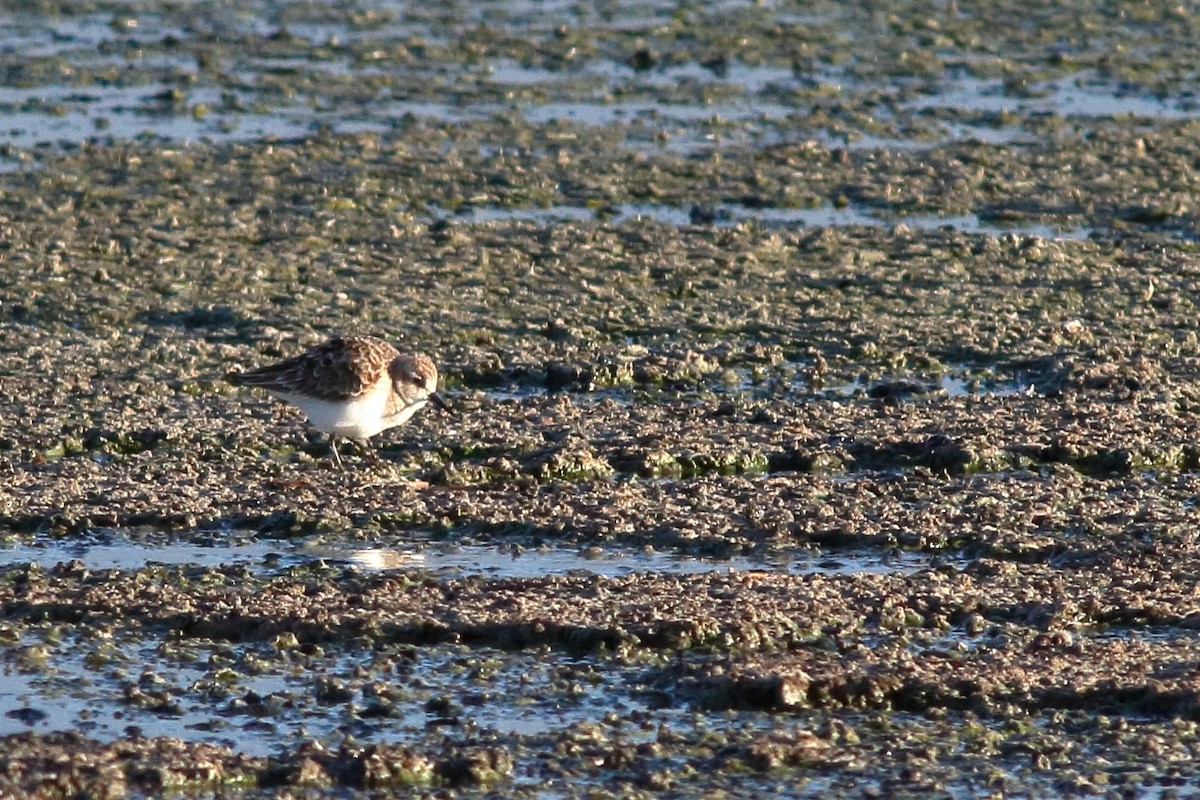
352,386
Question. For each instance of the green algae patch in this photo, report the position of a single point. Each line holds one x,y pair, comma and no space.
574,464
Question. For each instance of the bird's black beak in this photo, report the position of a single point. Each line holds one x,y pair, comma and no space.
437,400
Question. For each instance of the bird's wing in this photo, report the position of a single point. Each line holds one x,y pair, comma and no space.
340,369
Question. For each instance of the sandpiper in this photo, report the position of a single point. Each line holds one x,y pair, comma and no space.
351,386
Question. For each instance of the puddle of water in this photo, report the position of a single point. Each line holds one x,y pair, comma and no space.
510,72
972,223
1081,95
322,33
131,555
152,49
821,216
83,114
630,110
1001,135
497,562
69,115
71,693
722,214
37,36
953,384
257,701
611,74
108,113
614,563
483,214
752,78
446,560
727,214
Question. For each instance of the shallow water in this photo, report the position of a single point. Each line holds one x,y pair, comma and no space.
217,693
114,61
447,561
950,384
1083,95
726,214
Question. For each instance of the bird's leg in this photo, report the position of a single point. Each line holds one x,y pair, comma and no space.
333,449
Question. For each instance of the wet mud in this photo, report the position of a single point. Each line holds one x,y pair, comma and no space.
825,386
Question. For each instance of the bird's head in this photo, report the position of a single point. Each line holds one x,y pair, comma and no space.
415,377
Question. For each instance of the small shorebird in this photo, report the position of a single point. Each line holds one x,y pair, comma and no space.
352,386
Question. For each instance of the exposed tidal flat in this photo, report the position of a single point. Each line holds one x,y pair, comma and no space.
826,382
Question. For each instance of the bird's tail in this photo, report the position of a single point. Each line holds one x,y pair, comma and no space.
239,378
264,377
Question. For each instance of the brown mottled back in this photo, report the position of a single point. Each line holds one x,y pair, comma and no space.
341,369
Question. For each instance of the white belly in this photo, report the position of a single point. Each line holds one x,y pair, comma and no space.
360,418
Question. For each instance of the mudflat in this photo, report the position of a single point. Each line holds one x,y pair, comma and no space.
825,382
